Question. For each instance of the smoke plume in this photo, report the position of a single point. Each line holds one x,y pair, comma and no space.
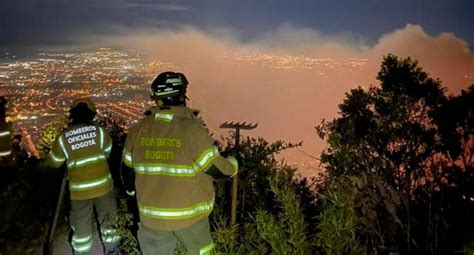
290,79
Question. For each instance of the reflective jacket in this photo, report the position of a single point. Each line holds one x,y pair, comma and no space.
6,134
85,149
170,151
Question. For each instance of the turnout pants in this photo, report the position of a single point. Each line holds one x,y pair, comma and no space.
196,239
81,218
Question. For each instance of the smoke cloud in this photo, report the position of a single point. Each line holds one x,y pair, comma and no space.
289,79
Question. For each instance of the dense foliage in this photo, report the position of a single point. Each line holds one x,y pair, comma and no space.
413,146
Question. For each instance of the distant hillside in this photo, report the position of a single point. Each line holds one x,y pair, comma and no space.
9,54
6,55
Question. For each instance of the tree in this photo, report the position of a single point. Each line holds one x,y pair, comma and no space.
455,121
49,136
392,135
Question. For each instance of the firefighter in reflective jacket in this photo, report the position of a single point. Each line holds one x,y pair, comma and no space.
171,159
84,147
6,134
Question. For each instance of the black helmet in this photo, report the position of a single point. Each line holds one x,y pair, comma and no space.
82,110
168,85
84,100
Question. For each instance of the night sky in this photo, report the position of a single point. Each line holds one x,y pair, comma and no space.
46,23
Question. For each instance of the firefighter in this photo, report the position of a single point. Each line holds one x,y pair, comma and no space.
84,147
6,134
170,158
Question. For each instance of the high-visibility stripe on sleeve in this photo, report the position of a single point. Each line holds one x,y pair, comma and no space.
5,133
101,138
80,186
235,164
176,213
61,143
127,158
206,250
5,153
108,149
55,158
203,161
206,158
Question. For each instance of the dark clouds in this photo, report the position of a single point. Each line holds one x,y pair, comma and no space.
55,22
59,22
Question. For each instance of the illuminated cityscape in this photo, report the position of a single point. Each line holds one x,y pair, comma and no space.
298,63
41,89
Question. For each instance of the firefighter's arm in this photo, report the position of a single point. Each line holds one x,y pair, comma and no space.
127,171
56,156
128,176
216,166
106,142
222,167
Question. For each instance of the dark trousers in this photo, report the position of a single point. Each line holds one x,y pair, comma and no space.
81,218
196,239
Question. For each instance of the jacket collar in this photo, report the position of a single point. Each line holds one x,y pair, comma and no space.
168,113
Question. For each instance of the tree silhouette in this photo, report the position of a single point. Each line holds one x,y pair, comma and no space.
397,137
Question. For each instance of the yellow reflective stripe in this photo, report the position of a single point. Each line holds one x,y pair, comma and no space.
82,247
86,161
206,250
101,138
174,80
61,143
110,235
167,92
112,239
108,231
83,244
127,158
108,149
160,169
5,133
235,164
76,239
179,170
5,153
57,159
78,186
206,157
176,213
166,117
